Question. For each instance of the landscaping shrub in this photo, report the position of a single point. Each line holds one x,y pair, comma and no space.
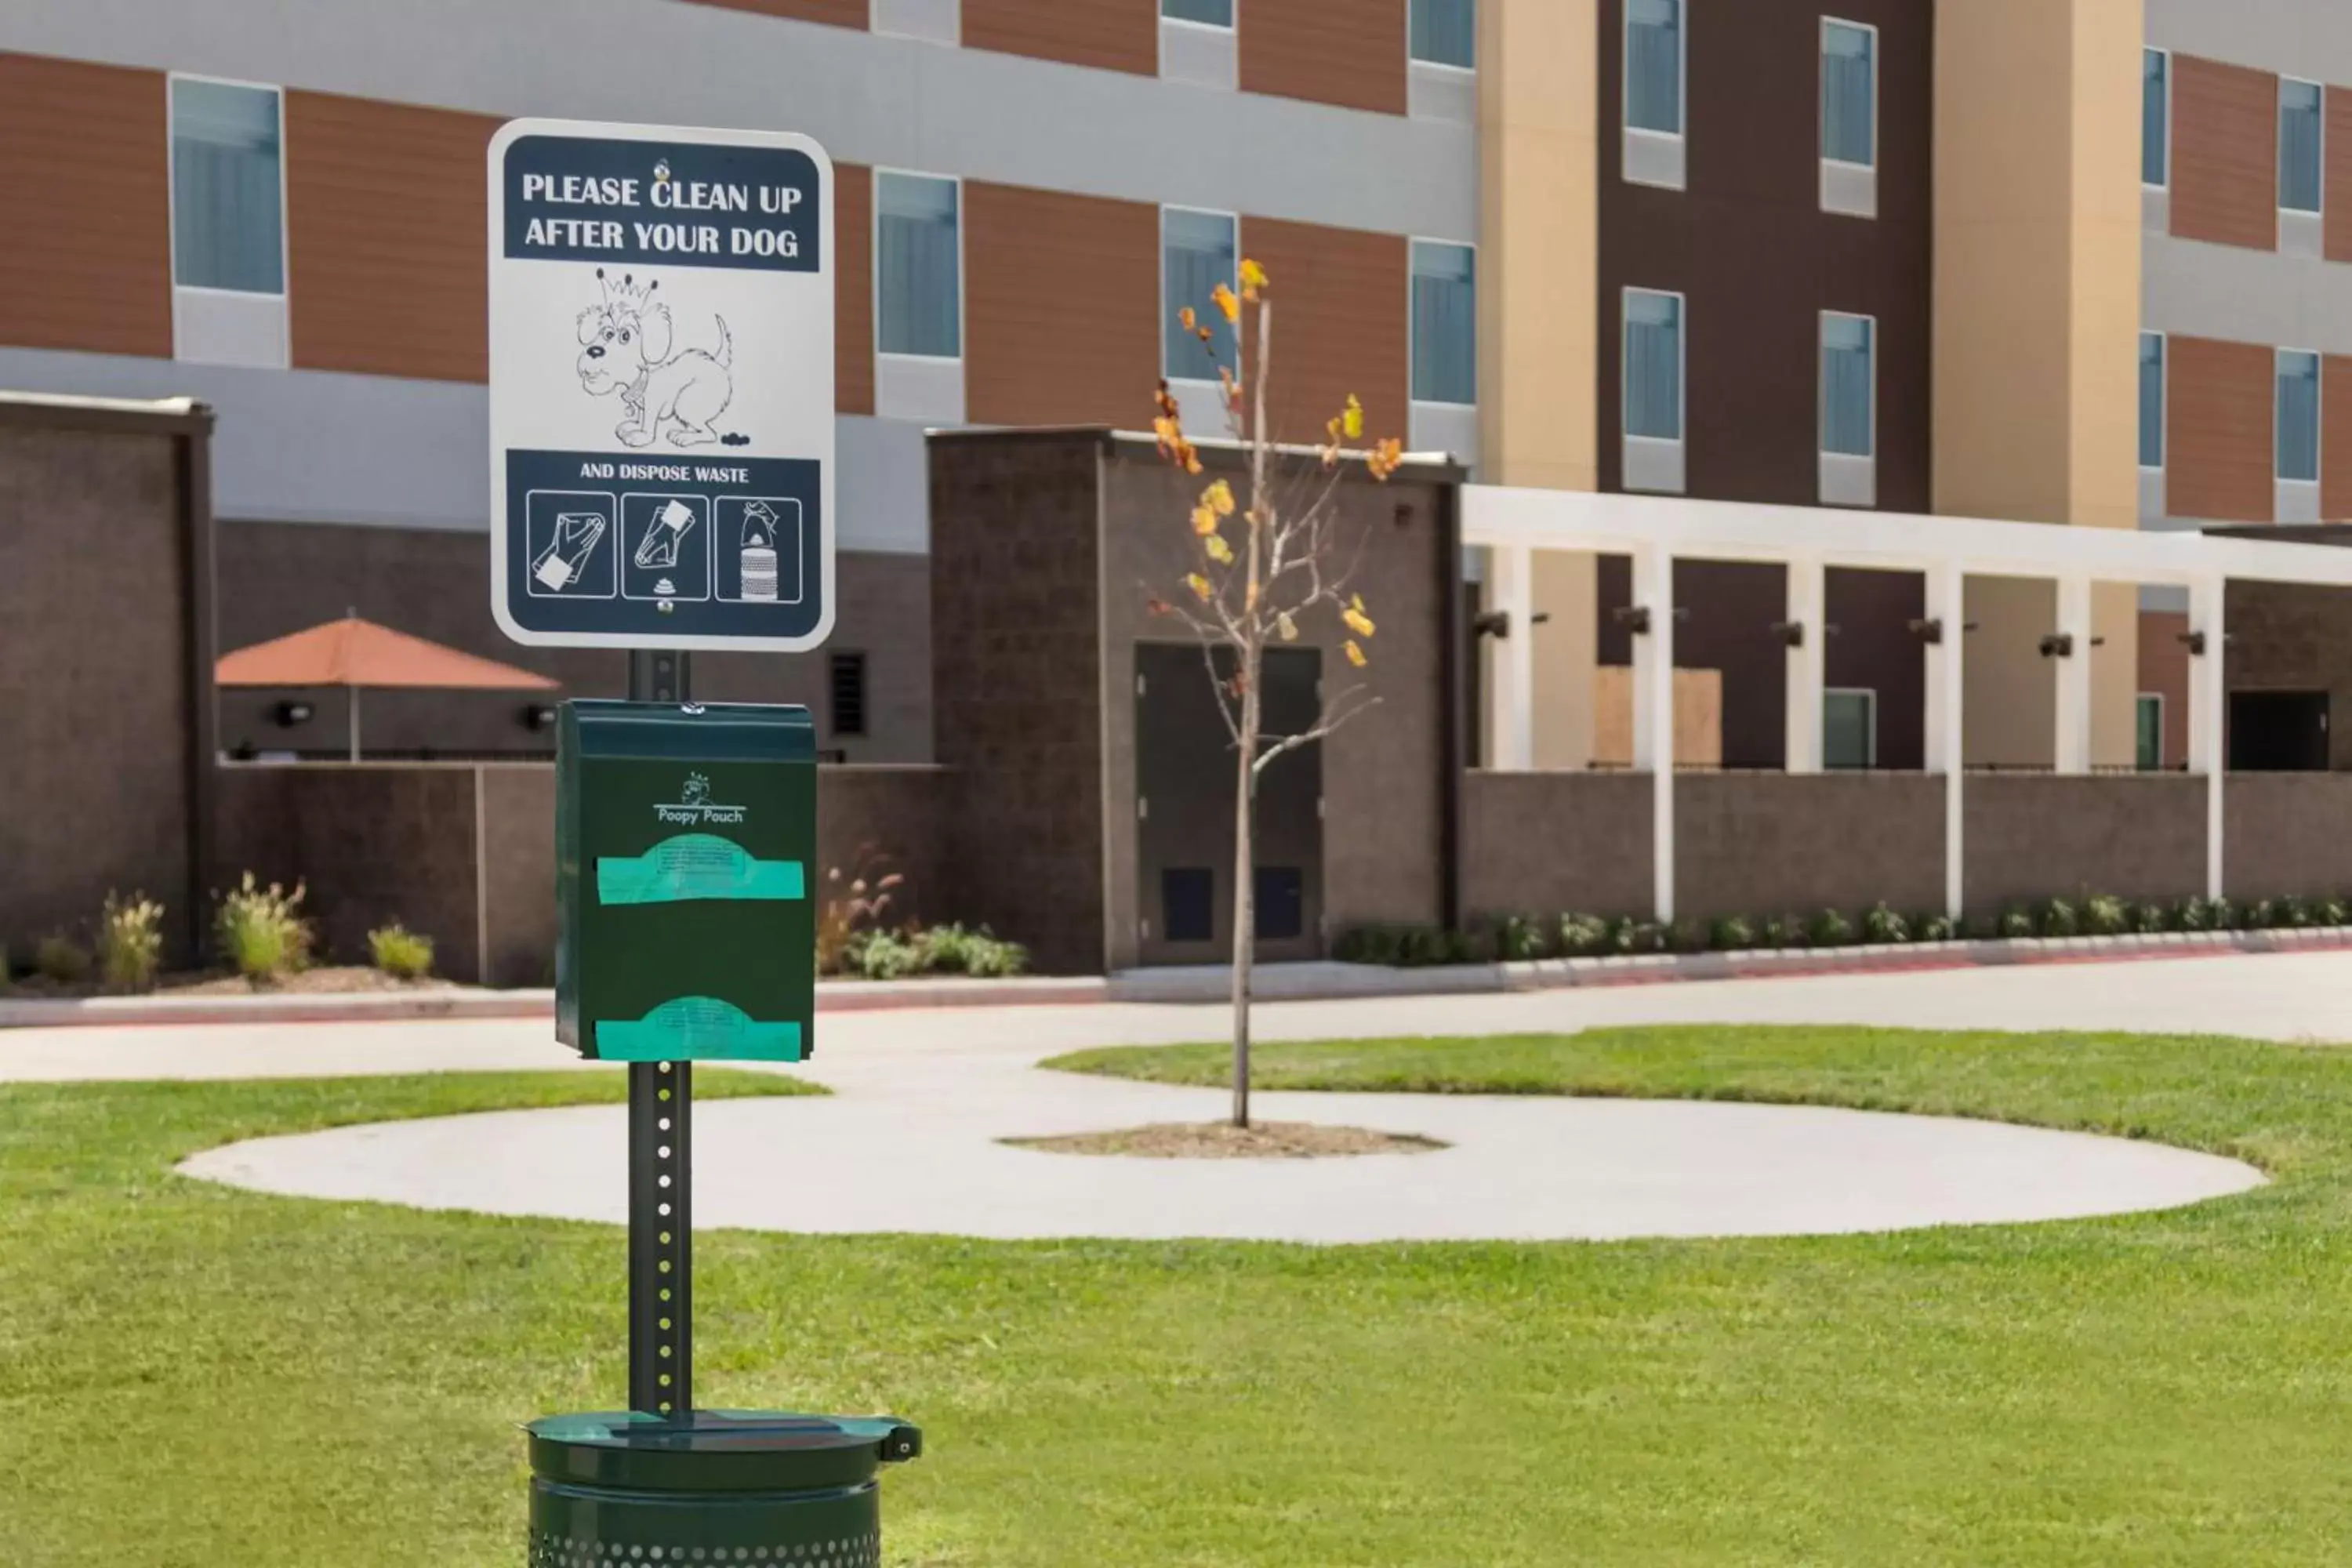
260,931
2059,919
2105,915
2223,914
2334,912
992,957
1368,945
958,950
1420,947
2259,915
62,960
2151,919
1786,933
1732,933
857,904
1933,928
1829,928
1518,940
1584,936
130,942
1686,934
2296,913
2193,913
880,955
400,953
1882,927
2016,924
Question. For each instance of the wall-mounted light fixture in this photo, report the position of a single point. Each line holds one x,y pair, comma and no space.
1929,631
290,712
538,716
2194,642
2058,645
1790,633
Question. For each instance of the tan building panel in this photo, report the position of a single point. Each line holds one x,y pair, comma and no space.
2338,197
2218,430
2335,435
87,263
853,282
1341,325
834,12
1113,35
1061,308
385,233
2224,153
1347,52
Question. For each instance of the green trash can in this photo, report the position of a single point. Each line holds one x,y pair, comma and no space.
622,1489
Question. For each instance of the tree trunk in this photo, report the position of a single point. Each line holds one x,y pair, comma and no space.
1244,889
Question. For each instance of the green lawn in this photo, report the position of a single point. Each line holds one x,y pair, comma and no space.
195,1376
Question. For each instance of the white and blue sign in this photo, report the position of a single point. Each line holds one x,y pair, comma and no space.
661,386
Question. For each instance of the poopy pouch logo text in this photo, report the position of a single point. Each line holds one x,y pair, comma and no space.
695,804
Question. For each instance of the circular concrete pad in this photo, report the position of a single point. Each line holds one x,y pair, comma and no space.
924,1160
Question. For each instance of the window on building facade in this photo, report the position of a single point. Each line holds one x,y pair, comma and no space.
1849,385
847,693
2151,400
1653,65
1446,32
2155,118
1654,365
228,212
2299,145
1209,13
1849,727
1849,92
918,266
2298,416
1444,323
1198,251
2150,756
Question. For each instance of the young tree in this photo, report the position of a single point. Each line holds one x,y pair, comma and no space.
1263,561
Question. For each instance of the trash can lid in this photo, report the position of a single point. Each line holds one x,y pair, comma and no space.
716,1450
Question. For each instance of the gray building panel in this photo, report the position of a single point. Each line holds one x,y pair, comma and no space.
2307,39
892,102
310,445
2245,296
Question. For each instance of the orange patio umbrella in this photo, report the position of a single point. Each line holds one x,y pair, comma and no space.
352,653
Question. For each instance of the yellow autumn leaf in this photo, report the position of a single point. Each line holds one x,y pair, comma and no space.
1200,586
1192,461
1357,621
1286,626
1254,280
1188,318
1219,551
1228,302
1204,519
1356,655
1352,421
1219,498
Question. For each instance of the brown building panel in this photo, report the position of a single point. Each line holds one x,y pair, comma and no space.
2224,153
833,13
1114,35
1061,308
385,238
1347,52
2163,672
2338,197
2335,432
2219,461
1756,259
86,262
1342,325
853,282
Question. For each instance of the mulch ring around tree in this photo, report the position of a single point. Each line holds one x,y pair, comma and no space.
1223,1140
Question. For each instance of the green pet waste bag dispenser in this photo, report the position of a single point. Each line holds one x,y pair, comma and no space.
686,843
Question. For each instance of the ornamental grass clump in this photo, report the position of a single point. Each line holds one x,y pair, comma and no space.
130,942
260,931
400,953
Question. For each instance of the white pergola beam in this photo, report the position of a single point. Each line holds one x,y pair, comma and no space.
1946,734
2072,669
1654,712
2209,713
1511,573
1807,660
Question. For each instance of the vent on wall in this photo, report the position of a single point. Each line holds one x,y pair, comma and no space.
847,692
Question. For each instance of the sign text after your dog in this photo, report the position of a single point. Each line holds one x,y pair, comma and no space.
661,386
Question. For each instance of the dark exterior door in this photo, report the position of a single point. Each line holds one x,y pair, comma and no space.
1184,766
2278,731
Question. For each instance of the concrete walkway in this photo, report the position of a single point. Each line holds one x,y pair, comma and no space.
909,1142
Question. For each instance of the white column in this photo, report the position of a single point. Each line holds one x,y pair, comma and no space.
2073,752
2207,713
1945,709
1807,662
1654,712
1511,582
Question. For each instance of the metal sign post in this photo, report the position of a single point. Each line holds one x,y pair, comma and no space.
661,1167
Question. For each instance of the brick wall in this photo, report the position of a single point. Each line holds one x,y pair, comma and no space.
1767,844
1548,844
2031,836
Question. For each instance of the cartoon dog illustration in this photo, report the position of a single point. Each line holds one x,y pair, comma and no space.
625,348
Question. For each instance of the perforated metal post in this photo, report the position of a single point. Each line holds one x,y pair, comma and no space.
661,1170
